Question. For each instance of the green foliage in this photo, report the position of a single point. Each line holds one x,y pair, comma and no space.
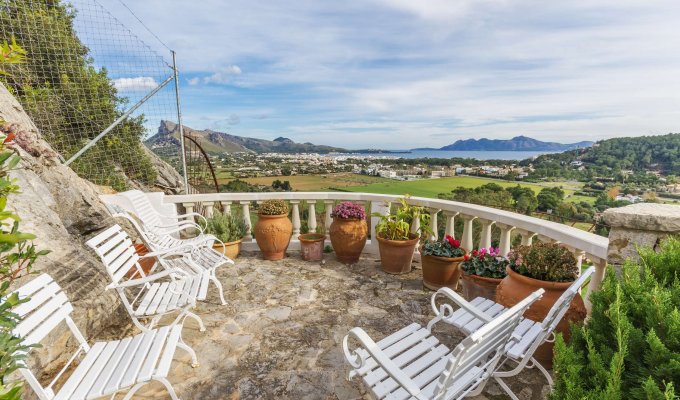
11,53
68,98
226,227
489,194
273,207
397,224
17,256
630,347
486,263
447,247
544,261
550,198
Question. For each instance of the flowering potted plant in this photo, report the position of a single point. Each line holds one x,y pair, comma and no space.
273,229
348,231
397,238
229,229
483,270
440,260
548,266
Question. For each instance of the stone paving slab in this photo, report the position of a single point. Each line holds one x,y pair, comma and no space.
280,335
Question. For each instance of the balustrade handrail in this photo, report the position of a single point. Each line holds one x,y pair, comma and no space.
592,245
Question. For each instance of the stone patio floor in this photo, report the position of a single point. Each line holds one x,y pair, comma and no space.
280,335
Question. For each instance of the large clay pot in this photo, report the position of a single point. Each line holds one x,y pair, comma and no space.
272,234
231,249
515,287
348,238
396,255
441,271
311,246
479,286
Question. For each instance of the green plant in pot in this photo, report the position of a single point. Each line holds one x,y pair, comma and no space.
440,261
483,270
273,229
551,267
229,230
398,235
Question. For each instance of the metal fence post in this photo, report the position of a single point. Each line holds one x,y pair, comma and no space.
179,122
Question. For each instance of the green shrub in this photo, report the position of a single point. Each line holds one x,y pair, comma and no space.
397,225
544,261
226,227
273,207
630,347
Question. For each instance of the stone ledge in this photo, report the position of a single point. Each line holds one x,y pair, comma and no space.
645,217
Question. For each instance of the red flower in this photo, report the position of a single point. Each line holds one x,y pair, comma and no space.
450,239
466,257
9,138
475,252
455,243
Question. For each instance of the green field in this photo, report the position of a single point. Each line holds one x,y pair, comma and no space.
432,187
317,183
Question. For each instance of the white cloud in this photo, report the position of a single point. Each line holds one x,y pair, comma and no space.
223,76
138,83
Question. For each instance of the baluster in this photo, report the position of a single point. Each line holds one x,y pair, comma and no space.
208,208
467,243
485,240
450,217
189,208
506,238
527,236
311,218
226,207
377,207
596,278
433,224
296,218
328,220
246,219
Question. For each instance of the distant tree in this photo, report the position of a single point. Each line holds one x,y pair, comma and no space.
549,198
286,171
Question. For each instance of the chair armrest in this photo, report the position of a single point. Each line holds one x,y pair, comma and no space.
144,280
461,302
356,360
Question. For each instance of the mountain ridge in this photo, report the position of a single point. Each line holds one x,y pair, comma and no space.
517,143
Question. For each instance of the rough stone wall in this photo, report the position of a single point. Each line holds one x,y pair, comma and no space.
63,210
639,225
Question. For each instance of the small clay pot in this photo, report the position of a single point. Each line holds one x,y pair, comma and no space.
515,287
311,246
441,271
396,255
231,249
348,238
479,286
272,234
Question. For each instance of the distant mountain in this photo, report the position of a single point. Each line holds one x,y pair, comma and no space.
219,142
518,143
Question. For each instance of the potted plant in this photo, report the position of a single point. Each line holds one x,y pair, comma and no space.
348,231
440,261
551,267
273,229
229,229
483,270
396,237
311,246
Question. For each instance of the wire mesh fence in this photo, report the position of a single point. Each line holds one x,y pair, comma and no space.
84,70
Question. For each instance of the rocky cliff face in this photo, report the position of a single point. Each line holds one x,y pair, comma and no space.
63,210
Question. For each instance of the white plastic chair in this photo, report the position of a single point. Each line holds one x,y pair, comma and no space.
107,367
413,364
473,315
148,296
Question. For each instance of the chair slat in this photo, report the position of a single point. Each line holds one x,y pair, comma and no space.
135,365
110,368
66,391
124,364
86,385
40,314
169,351
154,354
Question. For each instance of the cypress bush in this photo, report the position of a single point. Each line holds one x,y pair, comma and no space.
630,347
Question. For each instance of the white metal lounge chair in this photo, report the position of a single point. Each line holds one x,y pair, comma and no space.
201,255
107,367
155,221
472,315
148,296
413,364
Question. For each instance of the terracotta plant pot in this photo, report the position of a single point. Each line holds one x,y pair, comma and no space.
272,234
311,246
348,238
231,249
396,255
441,271
479,286
515,287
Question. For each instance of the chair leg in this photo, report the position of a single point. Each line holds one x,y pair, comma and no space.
543,370
505,387
133,389
217,283
182,345
169,388
198,319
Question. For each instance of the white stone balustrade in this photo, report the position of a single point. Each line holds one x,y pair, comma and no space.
295,218
328,219
586,245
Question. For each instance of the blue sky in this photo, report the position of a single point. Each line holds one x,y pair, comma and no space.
401,74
